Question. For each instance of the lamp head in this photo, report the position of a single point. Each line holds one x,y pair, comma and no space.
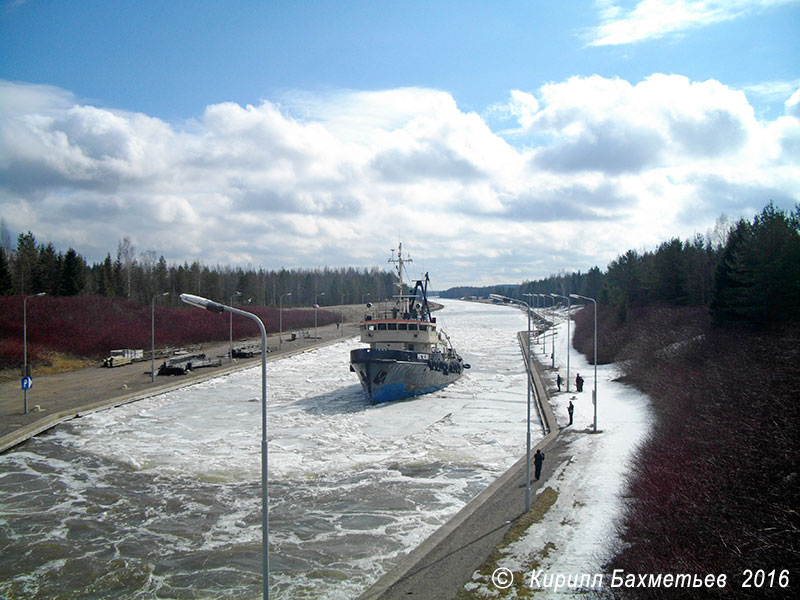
200,302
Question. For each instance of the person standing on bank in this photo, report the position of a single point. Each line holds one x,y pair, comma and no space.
570,409
579,382
558,381
538,459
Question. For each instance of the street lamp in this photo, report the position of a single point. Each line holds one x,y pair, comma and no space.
153,336
280,320
230,325
569,341
544,333
25,373
531,306
528,433
218,308
594,392
316,306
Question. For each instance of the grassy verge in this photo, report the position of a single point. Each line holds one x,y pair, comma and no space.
482,587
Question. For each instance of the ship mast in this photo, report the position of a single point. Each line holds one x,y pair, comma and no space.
400,262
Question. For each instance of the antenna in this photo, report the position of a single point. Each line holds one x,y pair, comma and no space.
400,262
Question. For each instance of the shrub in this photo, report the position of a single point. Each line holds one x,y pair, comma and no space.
91,326
715,487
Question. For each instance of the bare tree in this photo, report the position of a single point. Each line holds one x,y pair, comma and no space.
125,254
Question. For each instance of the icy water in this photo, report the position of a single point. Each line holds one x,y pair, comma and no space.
161,498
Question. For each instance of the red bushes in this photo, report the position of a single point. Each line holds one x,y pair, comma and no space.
715,488
90,326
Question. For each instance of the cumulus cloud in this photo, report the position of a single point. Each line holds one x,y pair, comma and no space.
613,126
592,166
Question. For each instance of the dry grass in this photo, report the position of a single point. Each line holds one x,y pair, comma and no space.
520,587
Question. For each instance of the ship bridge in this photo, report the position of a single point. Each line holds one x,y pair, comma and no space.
400,334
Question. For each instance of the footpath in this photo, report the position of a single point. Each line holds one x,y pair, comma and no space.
60,397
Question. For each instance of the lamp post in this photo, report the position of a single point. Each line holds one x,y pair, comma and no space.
544,332
316,306
528,433
230,326
531,306
25,346
569,341
218,308
594,391
153,336
280,320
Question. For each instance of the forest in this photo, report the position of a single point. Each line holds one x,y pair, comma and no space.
746,272
30,267
711,334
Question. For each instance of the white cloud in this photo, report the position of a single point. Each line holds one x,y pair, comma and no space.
654,19
593,166
793,105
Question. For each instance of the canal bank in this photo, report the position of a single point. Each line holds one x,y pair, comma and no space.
60,397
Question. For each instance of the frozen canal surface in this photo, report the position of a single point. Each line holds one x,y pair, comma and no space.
161,498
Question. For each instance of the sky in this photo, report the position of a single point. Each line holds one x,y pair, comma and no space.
498,141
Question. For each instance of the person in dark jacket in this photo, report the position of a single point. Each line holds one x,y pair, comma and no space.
558,381
538,459
579,382
570,409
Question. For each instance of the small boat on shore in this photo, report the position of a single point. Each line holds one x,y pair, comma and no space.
407,354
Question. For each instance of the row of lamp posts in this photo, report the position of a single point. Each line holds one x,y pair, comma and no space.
594,392
569,305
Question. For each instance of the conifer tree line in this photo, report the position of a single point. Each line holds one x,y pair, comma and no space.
30,267
745,272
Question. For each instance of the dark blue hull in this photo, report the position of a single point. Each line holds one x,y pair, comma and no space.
389,375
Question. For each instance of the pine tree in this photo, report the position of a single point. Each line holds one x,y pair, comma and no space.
71,274
757,279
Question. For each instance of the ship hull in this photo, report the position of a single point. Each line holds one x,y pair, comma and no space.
389,375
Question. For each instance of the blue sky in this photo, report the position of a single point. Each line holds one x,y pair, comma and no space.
500,141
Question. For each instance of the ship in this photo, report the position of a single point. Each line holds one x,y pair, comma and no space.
408,355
